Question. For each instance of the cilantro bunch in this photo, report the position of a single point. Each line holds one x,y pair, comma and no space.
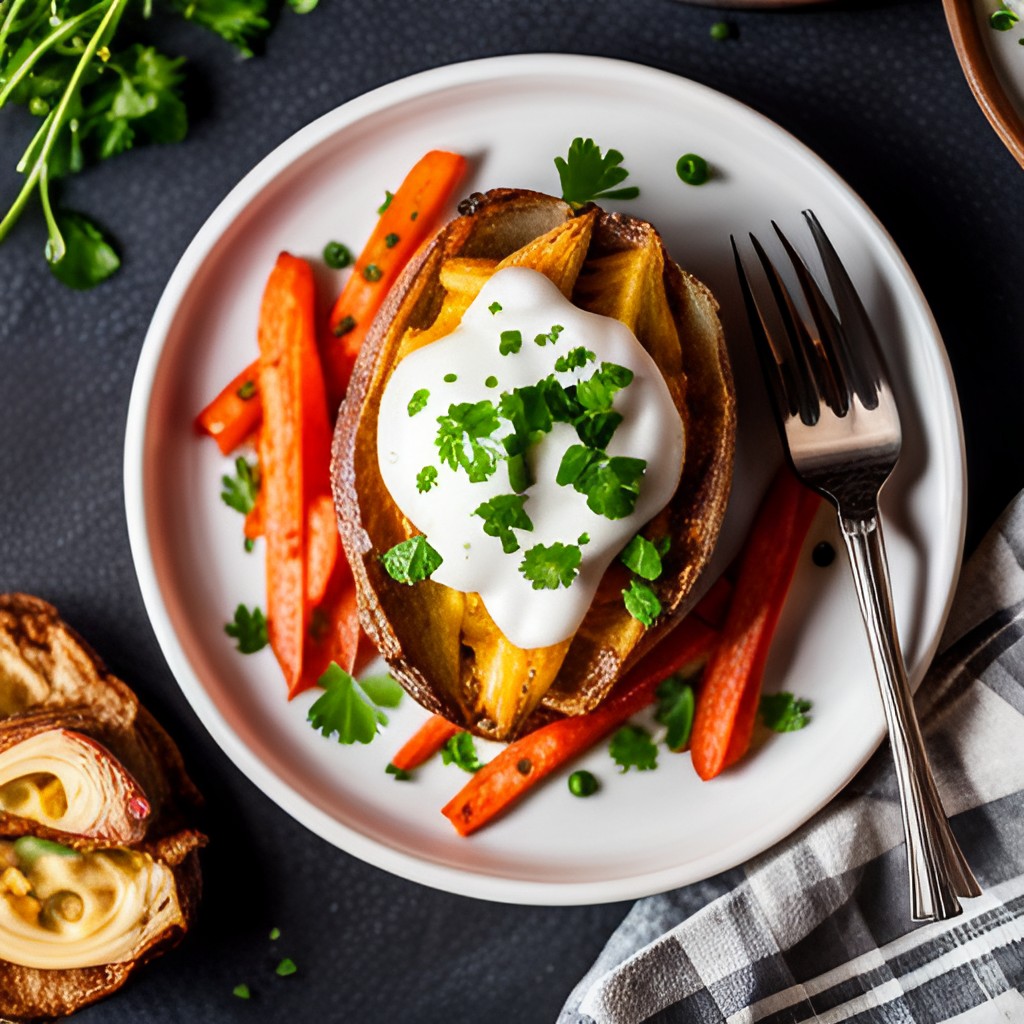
96,95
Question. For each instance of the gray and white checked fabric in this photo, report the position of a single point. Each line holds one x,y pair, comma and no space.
817,928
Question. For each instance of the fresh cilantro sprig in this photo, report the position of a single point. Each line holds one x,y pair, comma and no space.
239,491
350,710
676,706
249,629
411,561
586,175
550,566
97,94
782,712
501,515
461,751
632,747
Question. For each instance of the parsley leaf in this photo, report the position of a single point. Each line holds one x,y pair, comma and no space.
596,393
632,747
501,515
782,712
641,602
239,22
550,566
426,478
460,750
411,561
642,557
345,709
241,489
86,257
551,337
510,342
418,402
400,774
249,629
464,438
675,710
574,359
611,484
383,690
585,175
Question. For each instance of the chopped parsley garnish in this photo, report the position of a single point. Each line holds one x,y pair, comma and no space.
574,359
383,690
550,566
596,429
275,934
510,342
583,538
641,602
426,478
411,561
344,325
450,378
551,337
400,774
597,393
345,709
464,439
583,783
585,175
414,214
247,390
632,747
418,402
241,489
372,272
285,968
491,382
460,750
337,255
249,629
642,557
720,31
503,514
692,169
611,483
675,711
388,196
494,307
241,991
782,712
391,240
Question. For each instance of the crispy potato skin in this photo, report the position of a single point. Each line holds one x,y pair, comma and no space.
416,628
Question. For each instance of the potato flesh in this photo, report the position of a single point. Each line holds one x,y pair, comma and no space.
502,683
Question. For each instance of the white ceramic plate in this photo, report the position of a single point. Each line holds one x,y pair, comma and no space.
644,832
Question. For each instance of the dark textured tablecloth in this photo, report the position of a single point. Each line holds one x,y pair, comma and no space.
874,88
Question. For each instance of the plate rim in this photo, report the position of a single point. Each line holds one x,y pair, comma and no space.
458,880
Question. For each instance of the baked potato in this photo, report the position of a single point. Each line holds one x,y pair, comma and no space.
442,644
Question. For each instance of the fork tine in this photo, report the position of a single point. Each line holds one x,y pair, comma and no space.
863,351
804,380
828,348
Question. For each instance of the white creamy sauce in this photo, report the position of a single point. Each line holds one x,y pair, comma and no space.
473,561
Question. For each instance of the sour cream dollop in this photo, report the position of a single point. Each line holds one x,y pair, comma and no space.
468,366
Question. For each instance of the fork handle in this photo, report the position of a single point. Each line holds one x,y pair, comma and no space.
938,871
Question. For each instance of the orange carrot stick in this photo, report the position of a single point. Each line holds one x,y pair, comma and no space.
322,547
409,219
235,413
525,762
431,736
291,444
730,691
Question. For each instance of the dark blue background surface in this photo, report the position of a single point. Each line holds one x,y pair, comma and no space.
875,89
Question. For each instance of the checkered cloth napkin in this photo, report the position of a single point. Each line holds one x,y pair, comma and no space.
818,928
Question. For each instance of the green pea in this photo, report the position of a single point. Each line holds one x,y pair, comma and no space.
692,169
582,783
337,256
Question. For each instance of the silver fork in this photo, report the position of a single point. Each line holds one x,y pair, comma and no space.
840,425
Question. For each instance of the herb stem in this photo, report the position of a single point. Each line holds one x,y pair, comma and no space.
5,28
56,36
109,22
55,247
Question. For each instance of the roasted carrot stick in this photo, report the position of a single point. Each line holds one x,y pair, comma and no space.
525,762
235,413
322,547
431,736
409,219
292,441
334,631
729,693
